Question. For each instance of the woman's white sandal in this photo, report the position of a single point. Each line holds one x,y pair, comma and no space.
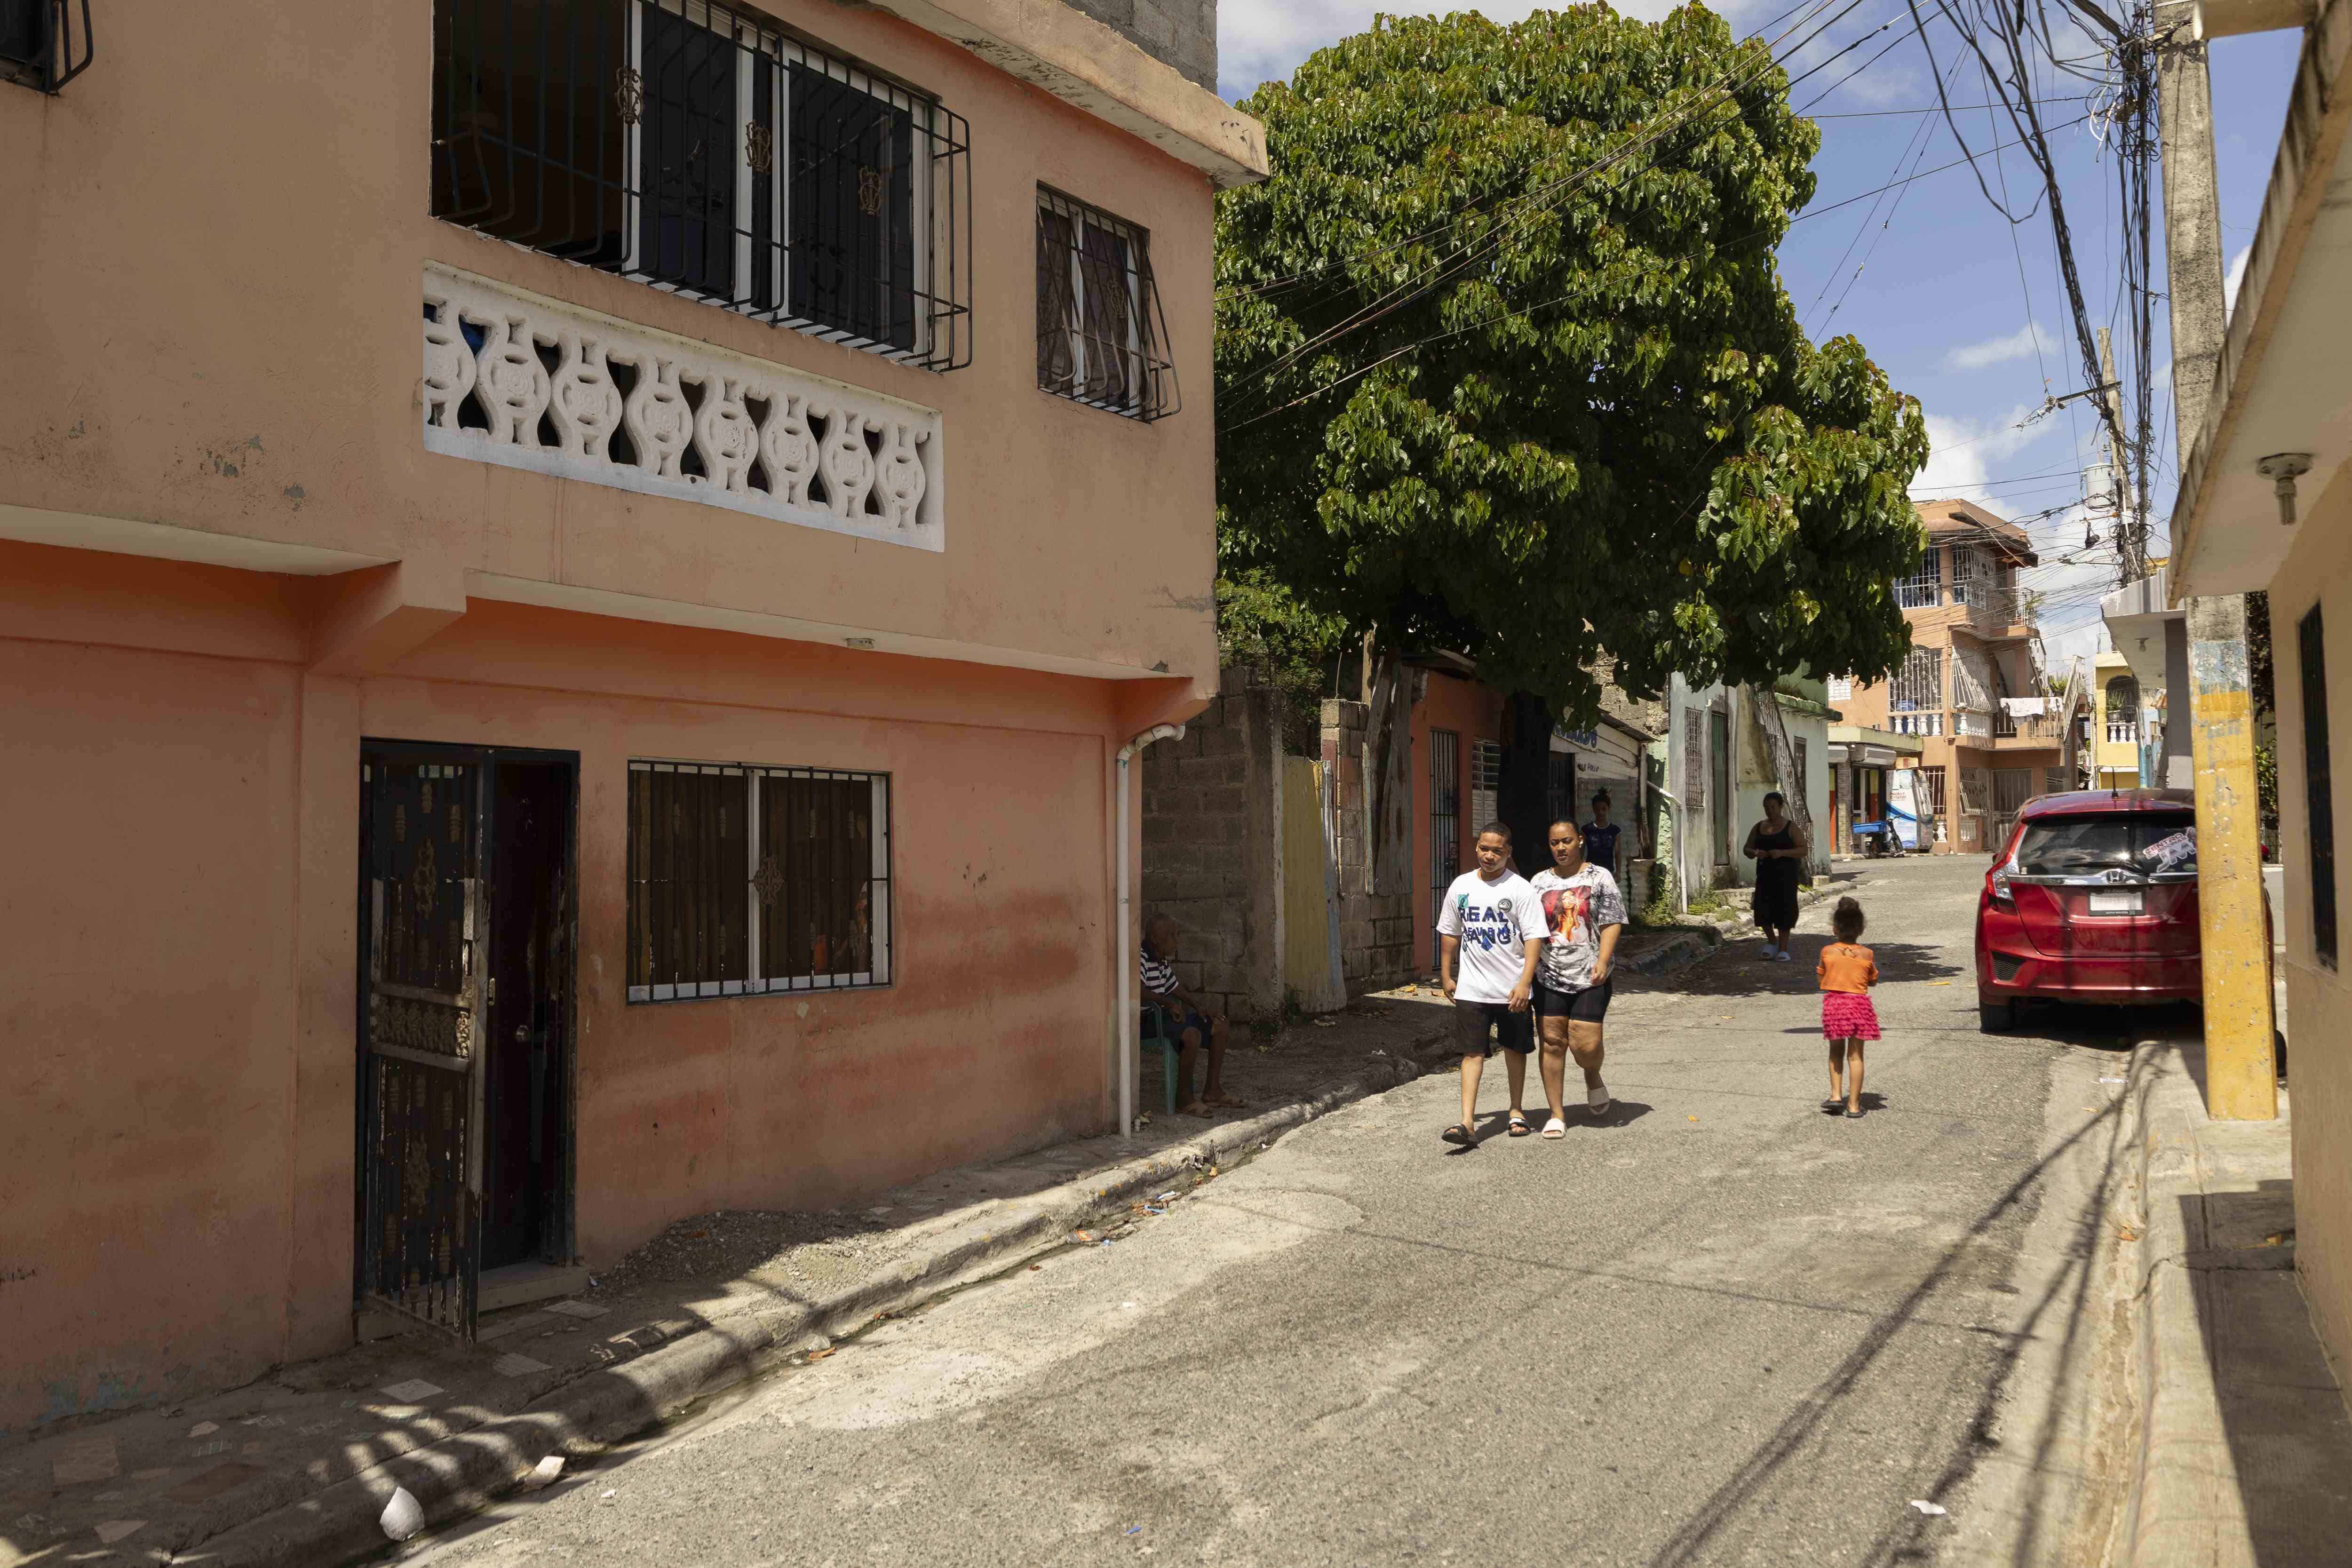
1555,1128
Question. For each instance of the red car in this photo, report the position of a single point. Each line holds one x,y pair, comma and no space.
2093,898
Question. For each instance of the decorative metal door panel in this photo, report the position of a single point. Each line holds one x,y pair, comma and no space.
425,941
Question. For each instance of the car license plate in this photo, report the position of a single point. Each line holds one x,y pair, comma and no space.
2122,902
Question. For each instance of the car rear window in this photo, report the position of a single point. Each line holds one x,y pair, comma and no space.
2145,842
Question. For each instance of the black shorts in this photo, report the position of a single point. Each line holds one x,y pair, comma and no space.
1774,908
1516,1031
1590,1005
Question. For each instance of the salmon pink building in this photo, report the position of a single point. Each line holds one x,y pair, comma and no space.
573,578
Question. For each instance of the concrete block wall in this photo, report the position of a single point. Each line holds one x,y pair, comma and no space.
1375,929
1211,855
1181,33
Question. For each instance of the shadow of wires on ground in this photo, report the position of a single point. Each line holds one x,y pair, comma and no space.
2063,1311
2282,1412
1735,969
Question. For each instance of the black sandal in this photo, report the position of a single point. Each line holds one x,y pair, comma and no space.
1460,1133
1519,1128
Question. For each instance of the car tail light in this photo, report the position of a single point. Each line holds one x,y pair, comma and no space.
2000,894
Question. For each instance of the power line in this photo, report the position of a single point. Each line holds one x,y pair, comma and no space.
1932,109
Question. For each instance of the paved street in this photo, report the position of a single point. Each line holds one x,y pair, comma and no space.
1722,1328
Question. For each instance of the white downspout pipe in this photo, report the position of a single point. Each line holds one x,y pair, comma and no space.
1123,1024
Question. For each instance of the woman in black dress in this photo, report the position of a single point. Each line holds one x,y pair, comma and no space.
1777,847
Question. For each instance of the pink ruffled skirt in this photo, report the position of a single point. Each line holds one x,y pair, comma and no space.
1848,1015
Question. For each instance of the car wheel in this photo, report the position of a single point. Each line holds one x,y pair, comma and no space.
1996,1017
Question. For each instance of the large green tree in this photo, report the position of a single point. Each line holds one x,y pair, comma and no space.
1505,364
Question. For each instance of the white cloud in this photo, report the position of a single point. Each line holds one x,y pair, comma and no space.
1259,41
2237,275
1963,453
2019,344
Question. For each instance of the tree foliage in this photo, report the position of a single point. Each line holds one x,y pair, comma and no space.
1481,387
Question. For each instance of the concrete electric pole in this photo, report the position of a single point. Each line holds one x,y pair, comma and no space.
2239,1072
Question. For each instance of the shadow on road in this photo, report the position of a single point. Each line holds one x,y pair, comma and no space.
1735,969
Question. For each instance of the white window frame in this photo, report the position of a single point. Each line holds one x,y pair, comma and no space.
877,910
786,52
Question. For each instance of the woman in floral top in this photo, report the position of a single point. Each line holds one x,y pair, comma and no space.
1583,911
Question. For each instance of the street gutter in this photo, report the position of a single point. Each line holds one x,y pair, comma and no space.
466,1472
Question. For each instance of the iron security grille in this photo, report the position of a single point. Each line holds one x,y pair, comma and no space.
1928,802
1102,339
709,154
745,879
1445,815
1922,589
40,46
1914,699
1486,783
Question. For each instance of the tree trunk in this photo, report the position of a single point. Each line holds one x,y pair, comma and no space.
1782,757
1523,799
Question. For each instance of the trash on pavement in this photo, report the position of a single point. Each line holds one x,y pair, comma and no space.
403,1517
1325,1023
203,1428
608,1492
412,1391
1930,1509
1134,1530
545,1472
1167,1197
114,1530
1081,1236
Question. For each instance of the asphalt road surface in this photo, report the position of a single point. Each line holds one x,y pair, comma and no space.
1722,1327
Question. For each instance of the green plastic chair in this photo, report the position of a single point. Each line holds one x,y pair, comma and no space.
1155,1034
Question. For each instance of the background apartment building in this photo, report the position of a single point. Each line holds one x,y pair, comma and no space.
572,576
1973,690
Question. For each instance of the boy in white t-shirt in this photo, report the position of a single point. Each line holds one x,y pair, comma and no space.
1494,925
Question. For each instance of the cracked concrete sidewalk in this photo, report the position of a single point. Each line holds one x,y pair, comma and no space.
2245,1450
296,1467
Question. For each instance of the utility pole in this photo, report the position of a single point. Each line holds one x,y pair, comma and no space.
2240,1068
2131,548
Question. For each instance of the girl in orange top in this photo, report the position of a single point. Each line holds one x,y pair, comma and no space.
1847,972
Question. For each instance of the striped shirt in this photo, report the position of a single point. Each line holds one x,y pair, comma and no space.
1159,975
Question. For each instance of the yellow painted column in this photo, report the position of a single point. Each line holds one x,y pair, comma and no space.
2241,1084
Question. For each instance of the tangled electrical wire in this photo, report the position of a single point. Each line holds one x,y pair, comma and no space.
2009,39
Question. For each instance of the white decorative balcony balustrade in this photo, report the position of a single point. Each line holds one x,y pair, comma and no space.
514,379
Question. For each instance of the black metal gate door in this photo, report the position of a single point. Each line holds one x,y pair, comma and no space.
427,951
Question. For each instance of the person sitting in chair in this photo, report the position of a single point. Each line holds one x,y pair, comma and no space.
1185,1020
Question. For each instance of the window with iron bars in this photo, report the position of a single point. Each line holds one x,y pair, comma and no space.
40,45
1920,590
1973,681
1934,814
1486,783
1101,339
1970,575
1976,785
745,879
1914,699
706,152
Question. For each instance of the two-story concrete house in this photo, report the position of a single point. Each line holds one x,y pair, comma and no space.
1973,689
572,575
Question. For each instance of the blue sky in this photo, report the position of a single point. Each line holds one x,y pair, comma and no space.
1940,301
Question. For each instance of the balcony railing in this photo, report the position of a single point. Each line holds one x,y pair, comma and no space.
2035,729
517,380
2124,731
